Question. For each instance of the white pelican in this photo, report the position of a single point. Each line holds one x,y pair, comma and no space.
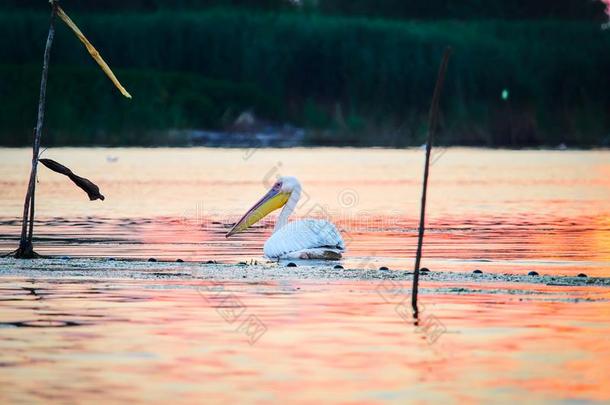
304,239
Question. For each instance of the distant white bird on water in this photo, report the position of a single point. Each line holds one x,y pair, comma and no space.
303,239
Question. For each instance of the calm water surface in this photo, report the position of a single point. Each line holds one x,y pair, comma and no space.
501,210
333,342
90,338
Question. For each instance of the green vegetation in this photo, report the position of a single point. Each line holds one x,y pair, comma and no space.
350,80
85,109
390,9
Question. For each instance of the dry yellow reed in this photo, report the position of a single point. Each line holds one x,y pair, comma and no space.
92,51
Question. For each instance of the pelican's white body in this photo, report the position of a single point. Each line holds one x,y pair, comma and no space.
303,239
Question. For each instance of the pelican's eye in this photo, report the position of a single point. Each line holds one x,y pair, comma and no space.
277,186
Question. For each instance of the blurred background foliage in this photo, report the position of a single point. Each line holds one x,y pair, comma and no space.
355,72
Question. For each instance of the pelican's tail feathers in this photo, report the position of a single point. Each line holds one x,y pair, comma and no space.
314,254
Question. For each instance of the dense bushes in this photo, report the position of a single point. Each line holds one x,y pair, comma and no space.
368,80
466,9
83,107
392,9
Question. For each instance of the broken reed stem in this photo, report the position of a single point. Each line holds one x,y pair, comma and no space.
432,124
25,243
92,51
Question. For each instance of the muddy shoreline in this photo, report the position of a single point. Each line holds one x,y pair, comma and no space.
87,268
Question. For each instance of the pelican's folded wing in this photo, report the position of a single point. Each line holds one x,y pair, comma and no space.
304,234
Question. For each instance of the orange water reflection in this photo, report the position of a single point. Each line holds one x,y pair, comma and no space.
341,342
506,211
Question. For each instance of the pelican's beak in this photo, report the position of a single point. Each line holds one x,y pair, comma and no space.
273,200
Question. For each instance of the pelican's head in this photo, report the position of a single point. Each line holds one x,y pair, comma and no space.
275,198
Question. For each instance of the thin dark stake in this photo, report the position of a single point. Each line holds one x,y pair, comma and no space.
432,124
26,249
32,205
31,224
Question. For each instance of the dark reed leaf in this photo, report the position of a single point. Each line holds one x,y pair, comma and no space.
92,190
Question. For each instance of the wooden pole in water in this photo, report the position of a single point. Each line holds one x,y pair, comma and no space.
26,249
432,123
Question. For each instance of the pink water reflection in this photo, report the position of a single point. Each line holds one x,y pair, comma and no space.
339,342
502,210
